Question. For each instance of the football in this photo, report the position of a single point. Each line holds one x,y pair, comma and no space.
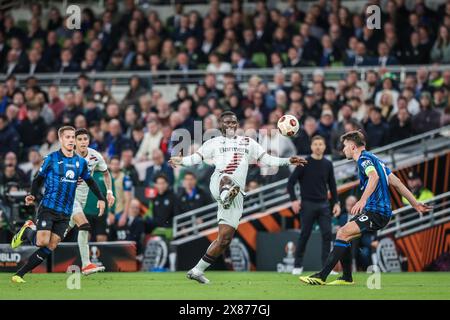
288,125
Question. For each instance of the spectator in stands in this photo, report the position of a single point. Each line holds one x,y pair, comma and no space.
326,127
163,207
12,65
137,137
183,64
55,103
196,56
116,62
192,197
377,129
360,57
35,64
216,65
11,172
384,58
303,139
330,53
35,160
66,63
11,159
441,48
9,176
127,166
51,142
239,61
151,141
71,110
12,115
159,167
412,104
428,118
311,106
114,139
445,119
4,100
415,185
52,51
9,138
134,93
134,228
400,125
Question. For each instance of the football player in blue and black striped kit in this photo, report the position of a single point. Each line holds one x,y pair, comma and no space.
59,173
371,213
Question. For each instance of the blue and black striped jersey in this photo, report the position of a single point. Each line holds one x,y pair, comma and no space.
380,200
61,175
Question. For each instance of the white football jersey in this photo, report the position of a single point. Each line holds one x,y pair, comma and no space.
232,155
95,163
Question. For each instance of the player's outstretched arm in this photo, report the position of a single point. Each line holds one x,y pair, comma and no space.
269,160
404,191
188,161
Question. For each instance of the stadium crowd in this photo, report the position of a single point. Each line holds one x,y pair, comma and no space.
136,131
129,38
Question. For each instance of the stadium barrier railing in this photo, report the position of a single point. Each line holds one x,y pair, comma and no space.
396,155
407,220
122,78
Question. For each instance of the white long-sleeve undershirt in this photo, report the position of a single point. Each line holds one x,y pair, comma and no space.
265,159
269,160
191,160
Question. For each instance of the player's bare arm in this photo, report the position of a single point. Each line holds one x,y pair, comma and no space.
371,186
404,191
269,160
108,183
191,160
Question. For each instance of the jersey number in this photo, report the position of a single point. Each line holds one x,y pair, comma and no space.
121,235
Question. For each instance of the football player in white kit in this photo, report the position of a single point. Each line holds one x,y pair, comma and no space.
95,162
232,155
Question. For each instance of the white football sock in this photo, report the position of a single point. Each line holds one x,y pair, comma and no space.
83,237
202,265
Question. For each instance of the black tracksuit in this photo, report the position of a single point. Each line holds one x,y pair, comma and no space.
314,178
164,207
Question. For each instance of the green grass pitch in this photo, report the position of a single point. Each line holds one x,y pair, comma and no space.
224,285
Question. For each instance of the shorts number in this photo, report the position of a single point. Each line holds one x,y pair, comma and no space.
363,218
121,234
